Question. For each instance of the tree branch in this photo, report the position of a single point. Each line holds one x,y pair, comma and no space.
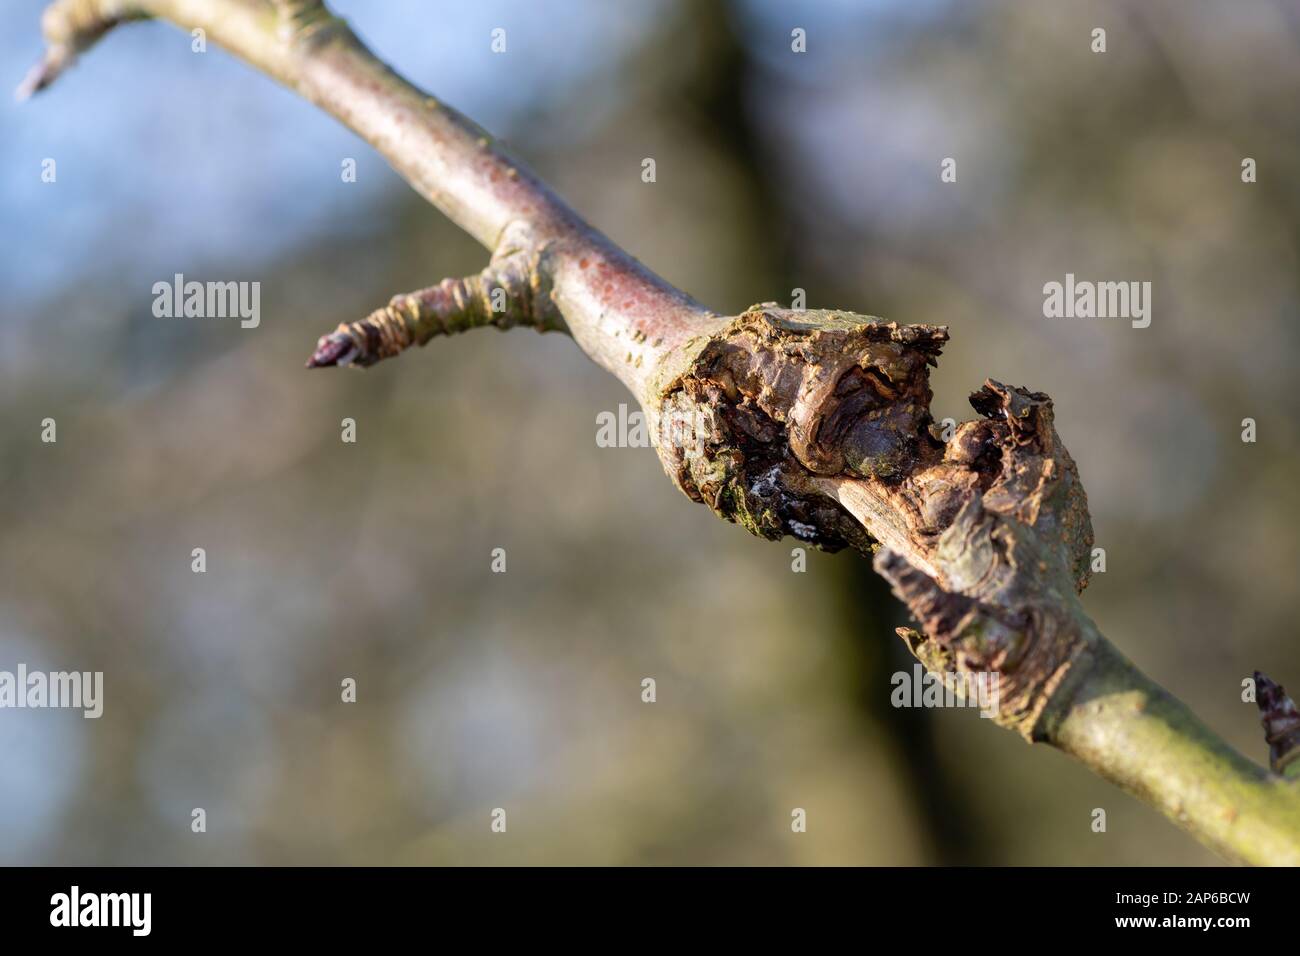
811,424
502,295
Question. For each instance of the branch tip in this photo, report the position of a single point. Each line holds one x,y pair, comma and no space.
71,27
335,349
40,76
1281,722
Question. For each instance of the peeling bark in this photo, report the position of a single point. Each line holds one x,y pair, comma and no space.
778,399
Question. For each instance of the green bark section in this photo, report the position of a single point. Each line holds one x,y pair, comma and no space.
1130,730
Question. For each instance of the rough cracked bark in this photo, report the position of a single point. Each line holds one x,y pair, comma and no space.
814,424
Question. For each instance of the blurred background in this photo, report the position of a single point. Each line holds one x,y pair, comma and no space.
522,690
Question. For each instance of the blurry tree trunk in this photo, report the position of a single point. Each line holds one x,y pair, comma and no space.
717,90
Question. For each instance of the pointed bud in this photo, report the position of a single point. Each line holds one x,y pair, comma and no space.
1281,722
